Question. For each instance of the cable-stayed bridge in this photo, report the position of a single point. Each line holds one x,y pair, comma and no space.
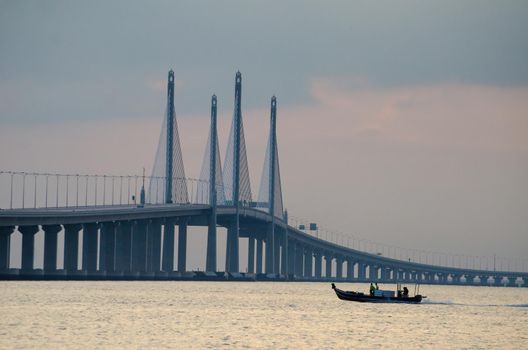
127,227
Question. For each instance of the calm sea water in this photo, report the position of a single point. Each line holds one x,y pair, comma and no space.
83,315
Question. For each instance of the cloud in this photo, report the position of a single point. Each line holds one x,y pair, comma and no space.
443,115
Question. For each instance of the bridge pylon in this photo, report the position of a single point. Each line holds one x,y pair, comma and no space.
168,174
270,192
236,179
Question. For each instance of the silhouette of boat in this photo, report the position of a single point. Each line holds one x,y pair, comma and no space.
382,297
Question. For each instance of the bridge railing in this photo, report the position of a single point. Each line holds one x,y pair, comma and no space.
26,190
427,257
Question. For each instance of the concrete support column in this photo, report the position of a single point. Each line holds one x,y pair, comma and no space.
429,277
71,247
384,273
339,268
411,275
123,246
299,257
276,252
28,245
210,259
182,245
251,255
484,280
270,247
350,269
259,255
285,260
498,280
154,245
107,247
362,271
417,276
291,258
308,262
232,249
89,249
139,246
168,246
318,264
5,246
328,260
50,247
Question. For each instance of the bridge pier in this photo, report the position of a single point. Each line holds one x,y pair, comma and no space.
412,276
328,266
362,271
5,246
373,273
71,247
498,280
107,247
318,264
471,279
299,257
139,246
385,274
483,280
154,245
285,261
276,252
350,270
123,246
339,267
292,258
50,247
210,259
28,245
308,262
89,249
168,245
270,247
232,249
251,255
259,255
182,245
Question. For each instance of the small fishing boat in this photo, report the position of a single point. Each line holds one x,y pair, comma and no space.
379,296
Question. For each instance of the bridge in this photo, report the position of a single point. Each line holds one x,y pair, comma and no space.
129,224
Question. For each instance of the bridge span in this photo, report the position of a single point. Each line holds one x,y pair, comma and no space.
129,241
137,242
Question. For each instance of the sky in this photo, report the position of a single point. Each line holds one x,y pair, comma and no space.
399,122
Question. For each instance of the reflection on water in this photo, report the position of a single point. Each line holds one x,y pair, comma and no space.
255,315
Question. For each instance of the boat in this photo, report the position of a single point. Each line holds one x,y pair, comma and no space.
379,296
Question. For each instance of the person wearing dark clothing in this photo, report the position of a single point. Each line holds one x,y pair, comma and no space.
405,292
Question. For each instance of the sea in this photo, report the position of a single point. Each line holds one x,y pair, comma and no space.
254,315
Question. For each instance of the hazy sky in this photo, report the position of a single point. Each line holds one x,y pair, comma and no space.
403,122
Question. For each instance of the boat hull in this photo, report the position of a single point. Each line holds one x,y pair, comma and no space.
363,298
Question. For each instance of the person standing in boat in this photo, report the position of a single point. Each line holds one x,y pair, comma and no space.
372,288
405,292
